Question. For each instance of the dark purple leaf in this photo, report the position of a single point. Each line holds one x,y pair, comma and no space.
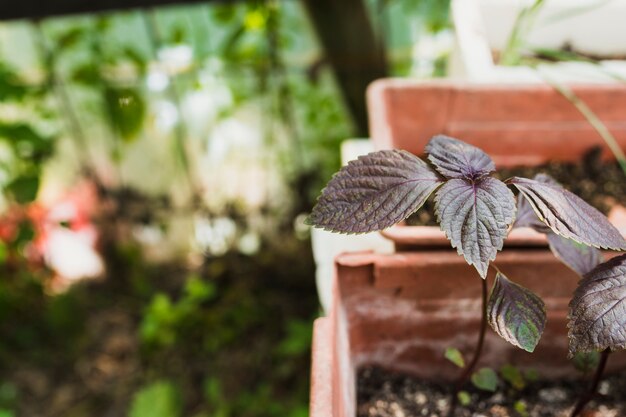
526,216
580,258
597,313
456,159
516,313
568,215
374,192
475,217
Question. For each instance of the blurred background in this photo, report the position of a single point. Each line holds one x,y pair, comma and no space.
157,163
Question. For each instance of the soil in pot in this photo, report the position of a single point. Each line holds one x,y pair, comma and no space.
599,183
382,393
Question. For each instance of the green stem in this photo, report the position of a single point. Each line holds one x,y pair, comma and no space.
523,23
588,396
592,118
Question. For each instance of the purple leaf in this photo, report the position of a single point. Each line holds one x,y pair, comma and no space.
475,217
597,313
456,159
580,258
526,216
515,313
374,192
568,215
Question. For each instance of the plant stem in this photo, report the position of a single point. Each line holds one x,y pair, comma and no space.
584,400
592,118
511,54
467,371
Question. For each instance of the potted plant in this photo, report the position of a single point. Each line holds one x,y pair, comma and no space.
403,310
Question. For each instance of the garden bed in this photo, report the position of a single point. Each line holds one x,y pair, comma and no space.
382,393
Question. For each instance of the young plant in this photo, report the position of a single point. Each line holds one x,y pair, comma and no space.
597,315
476,211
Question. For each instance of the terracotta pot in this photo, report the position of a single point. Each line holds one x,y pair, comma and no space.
516,124
402,310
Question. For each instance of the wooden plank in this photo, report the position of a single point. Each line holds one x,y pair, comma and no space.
352,49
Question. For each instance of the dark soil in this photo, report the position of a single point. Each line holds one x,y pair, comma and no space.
387,394
599,183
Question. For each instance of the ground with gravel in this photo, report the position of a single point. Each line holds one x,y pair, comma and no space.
389,394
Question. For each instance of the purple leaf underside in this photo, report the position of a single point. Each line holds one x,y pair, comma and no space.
515,313
456,159
568,215
526,216
597,318
475,216
374,192
578,257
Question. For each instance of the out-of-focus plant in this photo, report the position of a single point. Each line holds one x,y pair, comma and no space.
26,135
163,317
159,399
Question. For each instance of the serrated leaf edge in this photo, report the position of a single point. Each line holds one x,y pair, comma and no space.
556,232
459,251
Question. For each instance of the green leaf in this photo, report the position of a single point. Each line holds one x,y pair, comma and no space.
521,407
531,375
199,290
127,111
455,356
87,74
513,376
11,87
3,252
159,399
464,398
24,189
485,379
70,38
586,362
516,313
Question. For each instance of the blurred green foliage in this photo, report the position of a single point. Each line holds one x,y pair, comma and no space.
226,336
159,399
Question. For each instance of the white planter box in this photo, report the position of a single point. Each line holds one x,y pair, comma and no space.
594,27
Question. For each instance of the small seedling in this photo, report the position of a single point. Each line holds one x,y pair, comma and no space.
512,375
476,211
586,362
455,356
465,398
485,379
521,408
